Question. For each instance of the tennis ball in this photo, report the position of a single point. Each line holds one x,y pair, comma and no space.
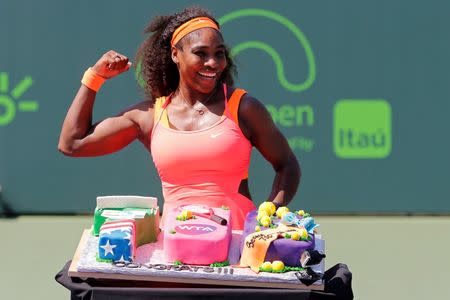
281,211
265,221
277,266
303,234
295,236
267,266
261,214
267,206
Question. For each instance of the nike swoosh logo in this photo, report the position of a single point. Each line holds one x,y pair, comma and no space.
214,135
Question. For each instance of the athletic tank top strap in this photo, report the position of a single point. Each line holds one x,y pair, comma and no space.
231,110
233,104
160,114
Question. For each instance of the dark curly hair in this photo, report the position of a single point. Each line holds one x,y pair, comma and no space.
157,69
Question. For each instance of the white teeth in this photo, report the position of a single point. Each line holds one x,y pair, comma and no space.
210,75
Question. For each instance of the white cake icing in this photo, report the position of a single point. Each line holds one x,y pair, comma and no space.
151,261
126,201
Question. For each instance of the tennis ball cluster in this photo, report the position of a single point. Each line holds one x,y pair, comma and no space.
185,215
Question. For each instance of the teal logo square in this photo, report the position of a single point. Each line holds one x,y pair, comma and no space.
362,128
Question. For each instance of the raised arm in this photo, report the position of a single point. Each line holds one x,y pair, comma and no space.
258,127
79,137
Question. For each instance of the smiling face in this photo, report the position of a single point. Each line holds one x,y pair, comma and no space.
201,60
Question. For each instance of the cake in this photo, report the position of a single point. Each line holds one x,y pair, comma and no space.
277,236
197,243
117,241
124,223
197,235
273,240
143,210
194,234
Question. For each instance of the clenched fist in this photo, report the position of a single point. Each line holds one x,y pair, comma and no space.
111,64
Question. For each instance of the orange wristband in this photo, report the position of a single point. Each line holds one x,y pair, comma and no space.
92,80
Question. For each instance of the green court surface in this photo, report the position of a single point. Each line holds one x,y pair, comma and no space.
390,257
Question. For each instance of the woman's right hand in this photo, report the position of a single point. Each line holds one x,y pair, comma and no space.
111,64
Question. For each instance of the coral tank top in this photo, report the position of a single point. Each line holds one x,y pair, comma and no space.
203,166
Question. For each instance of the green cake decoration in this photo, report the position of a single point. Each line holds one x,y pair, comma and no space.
220,264
178,263
97,258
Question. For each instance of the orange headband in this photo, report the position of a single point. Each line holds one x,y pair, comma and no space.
191,25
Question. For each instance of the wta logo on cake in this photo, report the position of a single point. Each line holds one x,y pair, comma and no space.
361,127
195,229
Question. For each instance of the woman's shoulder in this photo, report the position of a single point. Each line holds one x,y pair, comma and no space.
143,106
251,113
242,94
141,113
245,104
248,103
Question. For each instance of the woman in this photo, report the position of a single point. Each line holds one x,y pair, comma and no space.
197,127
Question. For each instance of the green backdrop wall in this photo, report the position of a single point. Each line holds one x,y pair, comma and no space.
360,89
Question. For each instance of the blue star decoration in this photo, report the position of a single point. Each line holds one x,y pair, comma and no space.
116,245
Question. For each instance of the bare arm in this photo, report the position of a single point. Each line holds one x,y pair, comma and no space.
258,127
79,137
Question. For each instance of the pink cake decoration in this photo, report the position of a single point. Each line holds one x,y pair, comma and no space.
193,234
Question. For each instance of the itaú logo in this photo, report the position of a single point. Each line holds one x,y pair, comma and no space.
195,229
